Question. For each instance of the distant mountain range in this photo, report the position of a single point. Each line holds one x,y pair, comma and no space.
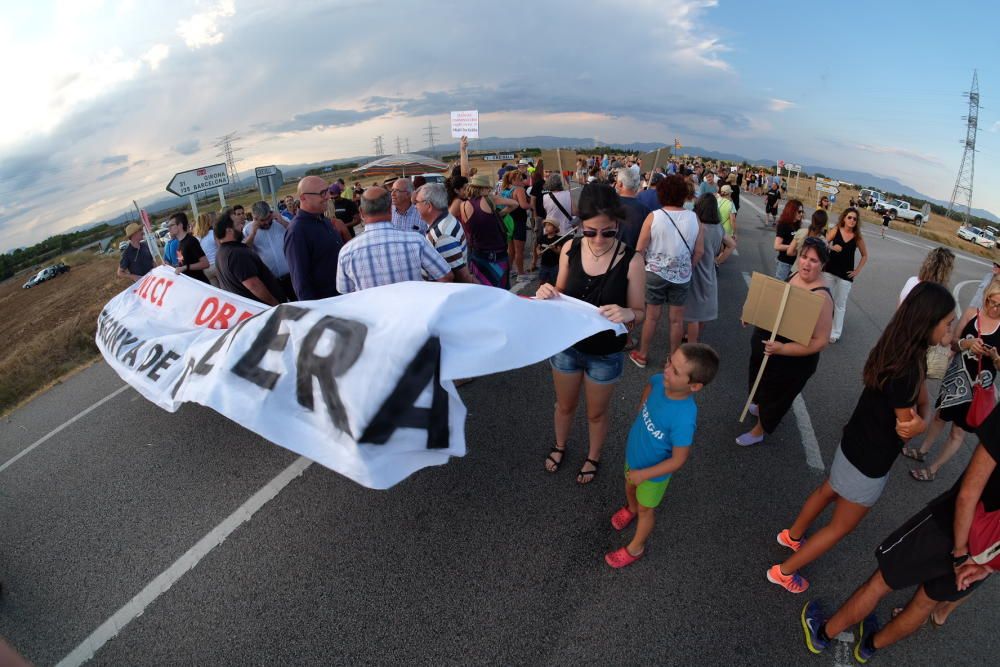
294,171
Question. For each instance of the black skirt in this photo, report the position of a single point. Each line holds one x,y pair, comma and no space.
784,378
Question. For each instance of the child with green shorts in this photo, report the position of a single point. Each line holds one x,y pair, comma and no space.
659,442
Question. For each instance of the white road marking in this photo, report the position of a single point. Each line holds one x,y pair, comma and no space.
957,290
79,415
843,650
162,583
810,444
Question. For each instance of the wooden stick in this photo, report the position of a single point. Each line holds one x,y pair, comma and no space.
763,364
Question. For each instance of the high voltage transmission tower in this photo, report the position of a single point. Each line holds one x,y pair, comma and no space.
379,151
407,145
429,133
962,194
226,151
399,145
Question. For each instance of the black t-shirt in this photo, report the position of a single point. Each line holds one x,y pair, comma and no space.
189,252
550,257
635,215
772,198
536,191
785,233
345,209
236,262
870,441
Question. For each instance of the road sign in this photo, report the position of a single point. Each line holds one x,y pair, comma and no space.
827,181
833,199
793,167
196,180
264,172
830,189
499,156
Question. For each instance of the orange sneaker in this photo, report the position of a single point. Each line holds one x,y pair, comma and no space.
785,540
793,583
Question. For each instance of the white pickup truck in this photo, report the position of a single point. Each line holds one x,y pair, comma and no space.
897,208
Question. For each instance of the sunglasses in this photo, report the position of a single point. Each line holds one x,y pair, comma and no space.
318,194
605,233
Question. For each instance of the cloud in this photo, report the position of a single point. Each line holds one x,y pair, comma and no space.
321,119
155,55
775,104
900,152
187,147
203,29
995,127
114,159
113,174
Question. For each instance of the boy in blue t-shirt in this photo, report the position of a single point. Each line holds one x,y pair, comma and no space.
659,442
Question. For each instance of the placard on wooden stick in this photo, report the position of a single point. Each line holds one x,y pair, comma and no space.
801,312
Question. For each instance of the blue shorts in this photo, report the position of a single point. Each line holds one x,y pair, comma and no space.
599,368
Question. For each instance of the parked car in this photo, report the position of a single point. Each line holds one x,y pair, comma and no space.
969,233
866,197
987,239
897,208
431,178
41,277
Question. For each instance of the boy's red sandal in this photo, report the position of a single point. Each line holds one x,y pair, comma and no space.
621,558
622,518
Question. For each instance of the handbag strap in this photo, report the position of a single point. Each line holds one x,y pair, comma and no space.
559,205
496,216
679,233
979,334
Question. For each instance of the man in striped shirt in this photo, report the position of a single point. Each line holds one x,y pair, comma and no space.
443,230
384,255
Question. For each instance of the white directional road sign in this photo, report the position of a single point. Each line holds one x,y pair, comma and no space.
196,180
829,189
827,181
264,172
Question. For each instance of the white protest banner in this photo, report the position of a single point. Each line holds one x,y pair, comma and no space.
465,124
360,383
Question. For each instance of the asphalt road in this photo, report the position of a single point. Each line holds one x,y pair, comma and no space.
487,560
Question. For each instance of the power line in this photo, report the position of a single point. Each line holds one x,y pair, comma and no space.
429,134
225,143
967,169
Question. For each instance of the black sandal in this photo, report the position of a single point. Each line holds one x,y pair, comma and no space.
590,474
555,464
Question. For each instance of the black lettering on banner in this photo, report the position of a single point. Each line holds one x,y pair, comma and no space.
203,367
268,339
151,357
119,340
351,339
129,340
162,365
131,356
399,410
188,367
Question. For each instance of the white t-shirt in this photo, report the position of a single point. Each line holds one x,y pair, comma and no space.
552,211
911,282
209,245
667,255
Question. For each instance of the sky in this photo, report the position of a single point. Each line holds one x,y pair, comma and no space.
107,99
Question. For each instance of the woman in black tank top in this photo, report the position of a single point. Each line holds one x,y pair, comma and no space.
602,271
845,240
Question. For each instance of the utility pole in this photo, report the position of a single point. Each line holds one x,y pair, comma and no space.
226,151
399,146
429,134
961,196
407,145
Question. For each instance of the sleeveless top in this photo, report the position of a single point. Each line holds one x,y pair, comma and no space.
842,262
955,387
765,334
601,290
519,215
484,231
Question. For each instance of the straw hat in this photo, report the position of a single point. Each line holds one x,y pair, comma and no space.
131,229
481,181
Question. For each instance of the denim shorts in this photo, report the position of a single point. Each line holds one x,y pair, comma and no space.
661,291
599,368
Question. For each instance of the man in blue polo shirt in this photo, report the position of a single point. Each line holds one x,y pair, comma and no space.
312,245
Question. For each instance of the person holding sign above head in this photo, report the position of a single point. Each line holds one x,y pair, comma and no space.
601,270
386,254
892,408
789,365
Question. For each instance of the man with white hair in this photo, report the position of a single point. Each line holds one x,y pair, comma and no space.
443,231
627,185
405,216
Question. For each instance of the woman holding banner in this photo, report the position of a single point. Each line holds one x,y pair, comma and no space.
601,270
790,365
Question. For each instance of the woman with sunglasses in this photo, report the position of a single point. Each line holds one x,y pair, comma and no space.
976,360
791,364
845,241
601,270
784,234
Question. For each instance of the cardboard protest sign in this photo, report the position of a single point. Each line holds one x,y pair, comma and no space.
465,124
801,312
360,383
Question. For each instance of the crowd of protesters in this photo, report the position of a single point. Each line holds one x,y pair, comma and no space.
631,243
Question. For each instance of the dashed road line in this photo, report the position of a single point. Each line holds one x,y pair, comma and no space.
810,443
58,429
162,583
